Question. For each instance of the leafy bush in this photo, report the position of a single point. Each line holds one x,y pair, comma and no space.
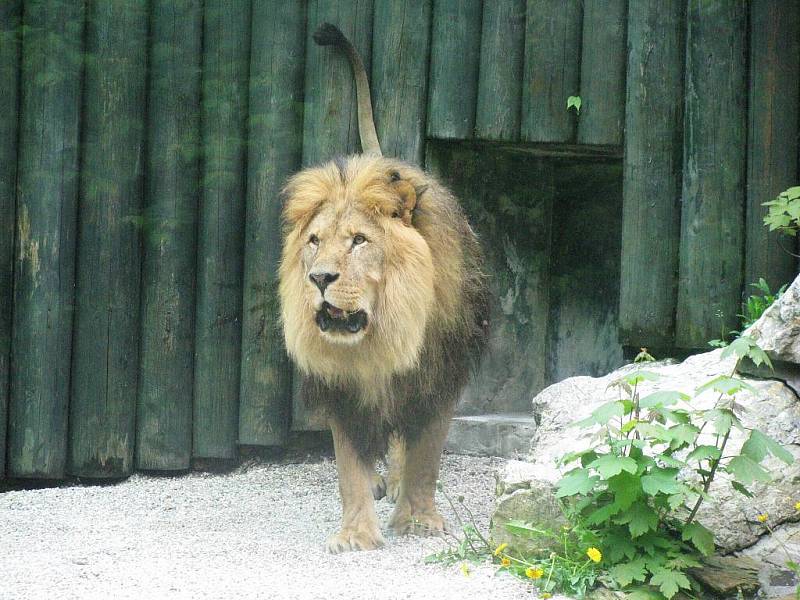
784,212
755,305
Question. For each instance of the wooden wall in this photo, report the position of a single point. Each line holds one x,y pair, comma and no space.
146,142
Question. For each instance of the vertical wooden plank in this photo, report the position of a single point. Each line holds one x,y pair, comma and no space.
44,267
400,52
500,76
552,69
772,133
603,61
330,120
714,151
164,409
10,13
226,52
106,334
455,58
274,152
652,173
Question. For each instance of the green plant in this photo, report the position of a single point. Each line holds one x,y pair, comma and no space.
755,305
574,102
784,212
641,491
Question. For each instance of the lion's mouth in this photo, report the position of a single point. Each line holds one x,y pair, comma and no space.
331,318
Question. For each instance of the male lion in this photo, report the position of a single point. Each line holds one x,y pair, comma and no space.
384,307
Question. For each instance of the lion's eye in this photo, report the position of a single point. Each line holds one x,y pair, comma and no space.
358,239
313,240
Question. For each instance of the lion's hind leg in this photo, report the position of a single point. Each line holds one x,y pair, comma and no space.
360,529
415,511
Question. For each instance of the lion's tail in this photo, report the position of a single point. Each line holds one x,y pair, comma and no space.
330,35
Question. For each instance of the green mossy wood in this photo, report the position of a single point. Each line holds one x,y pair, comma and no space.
10,13
500,76
455,57
603,65
330,120
552,70
652,173
105,361
164,410
714,152
44,266
274,152
772,134
400,50
226,52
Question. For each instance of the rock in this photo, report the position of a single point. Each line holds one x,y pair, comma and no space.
772,552
728,575
506,435
773,408
778,330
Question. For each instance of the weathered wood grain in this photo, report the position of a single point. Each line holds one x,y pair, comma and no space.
164,409
106,334
400,52
455,59
552,69
603,62
500,77
714,152
10,14
220,243
274,152
652,173
773,105
44,266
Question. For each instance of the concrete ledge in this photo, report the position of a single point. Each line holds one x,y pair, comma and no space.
506,435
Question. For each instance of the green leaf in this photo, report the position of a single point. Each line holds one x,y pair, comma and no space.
746,470
626,573
701,538
793,192
643,593
636,377
670,461
573,456
704,452
759,445
669,582
609,465
604,413
740,347
661,480
667,398
640,519
617,545
726,385
722,419
682,435
675,416
653,431
741,489
627,488
577,481
603,514
574,102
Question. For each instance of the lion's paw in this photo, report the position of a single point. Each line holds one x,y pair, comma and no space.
350,538
378,485
423,523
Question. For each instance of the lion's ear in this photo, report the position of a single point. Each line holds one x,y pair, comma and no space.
408,199
301,198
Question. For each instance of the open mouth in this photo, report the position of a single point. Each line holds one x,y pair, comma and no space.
331,318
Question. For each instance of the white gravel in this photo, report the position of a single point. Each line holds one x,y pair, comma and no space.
257,532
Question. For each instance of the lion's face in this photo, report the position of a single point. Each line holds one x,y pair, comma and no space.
356,278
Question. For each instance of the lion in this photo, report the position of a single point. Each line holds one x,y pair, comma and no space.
384,307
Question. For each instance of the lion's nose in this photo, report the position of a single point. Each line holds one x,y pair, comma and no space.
321,280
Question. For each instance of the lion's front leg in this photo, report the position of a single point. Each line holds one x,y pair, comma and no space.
416,511
359,522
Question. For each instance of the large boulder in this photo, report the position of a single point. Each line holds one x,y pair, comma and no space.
772,407
778,330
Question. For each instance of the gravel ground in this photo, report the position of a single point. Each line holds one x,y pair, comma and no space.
257,532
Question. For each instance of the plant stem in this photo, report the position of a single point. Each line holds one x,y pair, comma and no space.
710,478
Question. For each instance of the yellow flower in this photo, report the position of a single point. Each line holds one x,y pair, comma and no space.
797,505
534,572
594,554
762,518
547,595
505,561
500,548
464,569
